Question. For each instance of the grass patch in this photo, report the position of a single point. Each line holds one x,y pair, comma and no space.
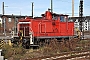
53,48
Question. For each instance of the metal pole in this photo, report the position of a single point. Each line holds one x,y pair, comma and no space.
72,8
4,18
3,8
24,32
4,27
0,51
32,9
15,24
81,16
51,6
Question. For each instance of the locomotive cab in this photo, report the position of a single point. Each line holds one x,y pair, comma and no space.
53,16
60,17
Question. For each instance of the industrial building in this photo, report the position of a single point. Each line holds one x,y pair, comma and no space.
85,23
9,23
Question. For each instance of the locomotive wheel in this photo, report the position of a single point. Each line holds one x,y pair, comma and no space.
26,45
41,43
47,41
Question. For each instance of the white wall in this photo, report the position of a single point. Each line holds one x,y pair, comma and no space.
85,24
0,20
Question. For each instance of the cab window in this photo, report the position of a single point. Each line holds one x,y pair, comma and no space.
62,19
55,18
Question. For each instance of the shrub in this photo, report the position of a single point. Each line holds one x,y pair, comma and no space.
8,51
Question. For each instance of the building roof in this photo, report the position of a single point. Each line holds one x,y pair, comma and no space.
17,16
0,15
83,18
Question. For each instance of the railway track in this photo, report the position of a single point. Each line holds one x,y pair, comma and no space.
66,56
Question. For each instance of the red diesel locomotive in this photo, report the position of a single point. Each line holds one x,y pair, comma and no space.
49,26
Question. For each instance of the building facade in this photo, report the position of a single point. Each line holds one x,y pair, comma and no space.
9,23
85,23
0,22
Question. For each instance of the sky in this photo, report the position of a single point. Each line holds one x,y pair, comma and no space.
24,7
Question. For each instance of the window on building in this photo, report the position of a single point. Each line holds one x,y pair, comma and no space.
86,26
85,29
9,20
76,22
0,20
85,22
